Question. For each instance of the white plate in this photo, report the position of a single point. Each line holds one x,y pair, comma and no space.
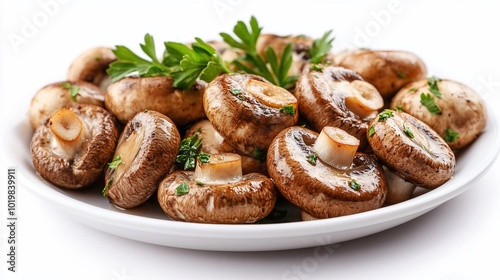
149,224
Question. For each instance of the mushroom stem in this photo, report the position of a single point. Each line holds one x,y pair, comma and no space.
69,131
398,190
336,147
221,168
270,95
365,100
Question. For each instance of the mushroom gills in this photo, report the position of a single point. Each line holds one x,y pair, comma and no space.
336,147
221,169
69,133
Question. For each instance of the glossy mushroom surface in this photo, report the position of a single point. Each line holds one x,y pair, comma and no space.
71,148
91,66
145,153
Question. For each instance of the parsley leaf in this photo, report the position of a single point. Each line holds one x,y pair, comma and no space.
116,161
128,63
428,101
384,115
188,152
450,135
203,157
312,158
259,154
106,187
432,82
354,185
408,132
73,89
182,189
287,109
320,48
371,131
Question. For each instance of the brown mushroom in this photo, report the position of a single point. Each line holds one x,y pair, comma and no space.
336,96
129,96
248,111
55,96
323,174
91,66
411,149
71,148
217,192
460,116
387,71
214,143
145,153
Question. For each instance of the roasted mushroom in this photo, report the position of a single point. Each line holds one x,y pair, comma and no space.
214,143
91,66
217,192
129,96
336,96
387,71
53,97
145,153
455,111
324,175
72,148
248,111
411,149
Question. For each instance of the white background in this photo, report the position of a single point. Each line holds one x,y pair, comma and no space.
457,39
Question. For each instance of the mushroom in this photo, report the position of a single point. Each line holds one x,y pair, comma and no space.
214,143
145,153
217,192
411,149
248,111
336,96
55,96
91,67
71,148
398,190
386,70
459,113
129,96
323,174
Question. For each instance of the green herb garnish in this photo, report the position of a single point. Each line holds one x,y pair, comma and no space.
316,67
259,154
399,108
408,132
251,62
354,185
287,109
106,187
203,157
320,48
428,101
199,183
73,89
182,189
384,115
371,131
450,135
128,63
312,158
401,75
237,92
432,82
116,161
188,152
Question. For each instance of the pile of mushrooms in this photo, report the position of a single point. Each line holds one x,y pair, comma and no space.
360,131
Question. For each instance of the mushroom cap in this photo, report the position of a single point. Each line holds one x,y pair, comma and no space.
322,101
462,109
245,201
214,143
91,66
321,190
129,96
425,160
148,146
55,96
76,171
387,70
244,121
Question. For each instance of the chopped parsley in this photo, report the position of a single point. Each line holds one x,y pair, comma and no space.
399,108
199,183
189,151
384,115
182,189
432,82
204,157
354,185
428,101
259,154
413,89
288,109
371,131
237,92
401,75
116,161
316,67
408,132
312,158
450,135
106,187
73,89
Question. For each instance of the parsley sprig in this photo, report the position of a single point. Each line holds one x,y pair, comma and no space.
128,63
275,70
189,151
320,48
